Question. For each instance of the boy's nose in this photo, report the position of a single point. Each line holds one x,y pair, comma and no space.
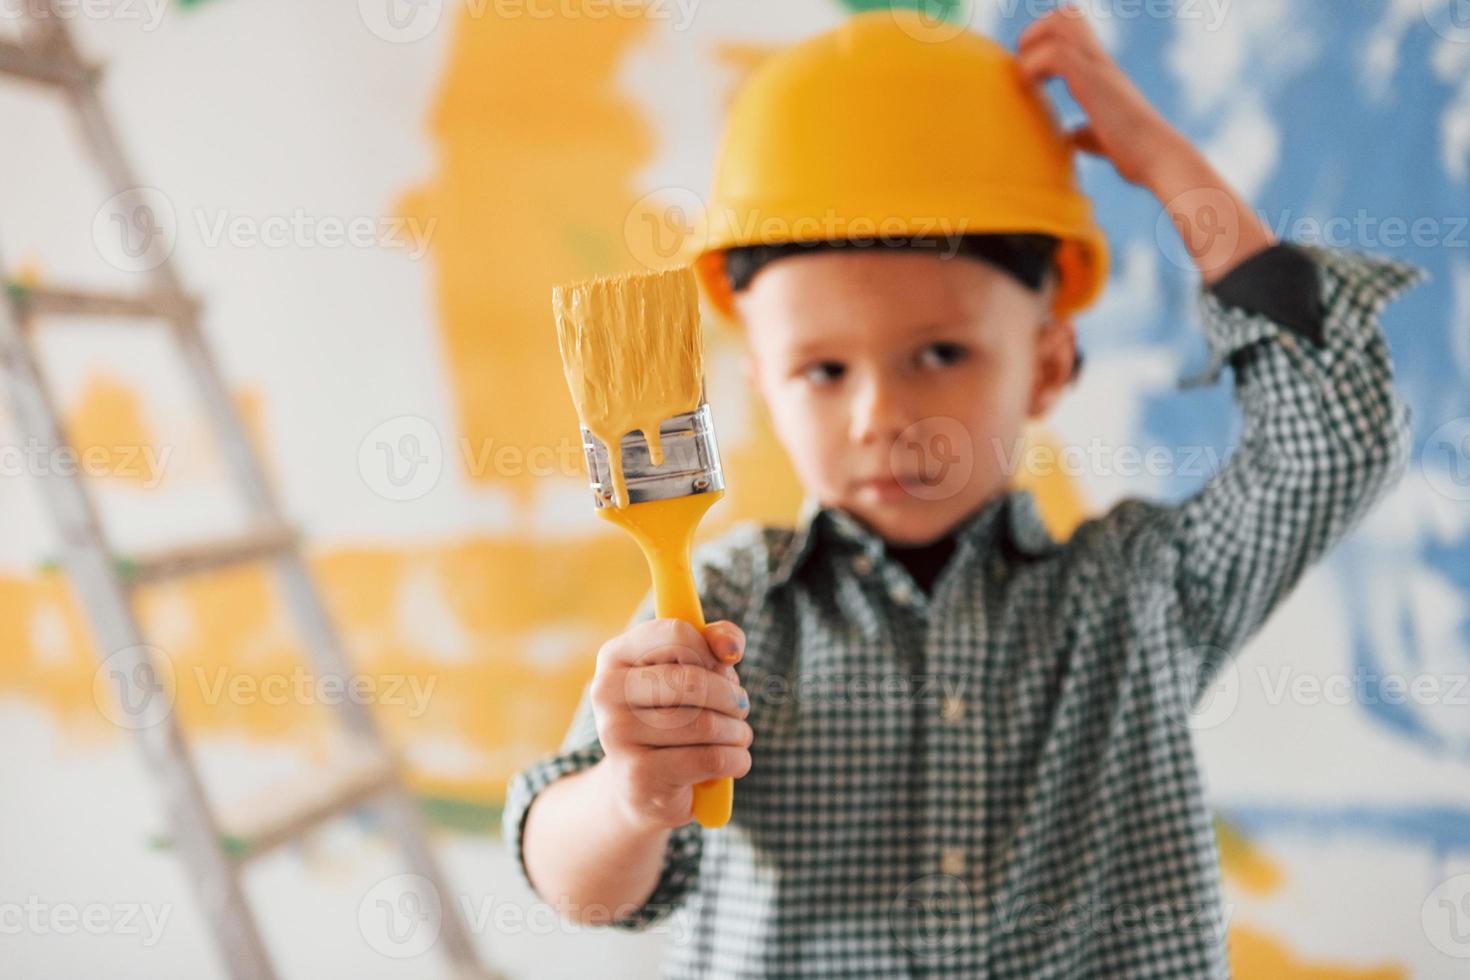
879,413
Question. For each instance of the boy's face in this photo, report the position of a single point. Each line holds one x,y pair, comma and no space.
899,382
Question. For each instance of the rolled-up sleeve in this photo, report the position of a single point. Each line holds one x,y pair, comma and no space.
1324,435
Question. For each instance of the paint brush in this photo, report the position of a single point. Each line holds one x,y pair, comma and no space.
633,356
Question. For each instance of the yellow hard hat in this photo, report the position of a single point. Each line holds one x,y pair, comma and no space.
883,127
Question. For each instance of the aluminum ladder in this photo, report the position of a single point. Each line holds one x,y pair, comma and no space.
368,773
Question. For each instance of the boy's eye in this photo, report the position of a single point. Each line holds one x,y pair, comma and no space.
943,354
823,372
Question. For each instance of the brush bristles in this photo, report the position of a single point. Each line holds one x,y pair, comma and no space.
631,349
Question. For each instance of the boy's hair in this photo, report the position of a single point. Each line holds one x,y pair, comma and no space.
1027,256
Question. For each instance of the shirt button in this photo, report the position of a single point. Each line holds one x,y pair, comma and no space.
954,708
952,861
862,564
903,594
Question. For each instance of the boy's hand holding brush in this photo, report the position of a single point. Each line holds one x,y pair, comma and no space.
669,708
670,714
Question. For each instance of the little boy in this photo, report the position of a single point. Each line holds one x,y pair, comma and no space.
960,747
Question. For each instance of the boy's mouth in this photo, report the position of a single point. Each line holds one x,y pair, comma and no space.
889,486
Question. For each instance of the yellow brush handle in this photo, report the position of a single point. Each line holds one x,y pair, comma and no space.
664,529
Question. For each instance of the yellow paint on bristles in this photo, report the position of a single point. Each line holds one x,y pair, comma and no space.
633,356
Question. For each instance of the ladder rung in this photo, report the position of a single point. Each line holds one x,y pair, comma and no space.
262,543
51,301
19,60
288,810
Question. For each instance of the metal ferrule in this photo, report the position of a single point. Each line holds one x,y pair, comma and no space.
691,461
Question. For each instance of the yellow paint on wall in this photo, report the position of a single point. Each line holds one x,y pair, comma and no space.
106,425
1257,956
534,181
58,674
1246,866
233,649
537,184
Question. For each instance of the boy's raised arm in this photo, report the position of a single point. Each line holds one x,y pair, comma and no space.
1324,434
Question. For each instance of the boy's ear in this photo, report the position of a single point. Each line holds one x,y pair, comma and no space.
1056,357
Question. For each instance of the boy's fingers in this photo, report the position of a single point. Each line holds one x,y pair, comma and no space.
1040,62
1053,30
1068,9
661,640
726,641
703,727
686,765
1036,30
1045,25
672,686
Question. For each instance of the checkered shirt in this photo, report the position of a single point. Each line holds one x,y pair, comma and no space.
998,779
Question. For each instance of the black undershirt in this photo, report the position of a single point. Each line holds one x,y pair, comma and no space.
924,562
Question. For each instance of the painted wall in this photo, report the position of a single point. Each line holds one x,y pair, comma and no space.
374,200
